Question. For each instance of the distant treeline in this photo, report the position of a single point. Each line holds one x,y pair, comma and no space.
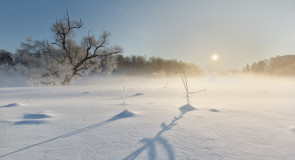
279,65
6,58
141,65
128,65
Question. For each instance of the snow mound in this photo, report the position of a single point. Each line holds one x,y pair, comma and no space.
137,94
36,116
186,108
214,110
123,114
32,119
12,105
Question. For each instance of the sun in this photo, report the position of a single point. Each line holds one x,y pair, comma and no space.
214,57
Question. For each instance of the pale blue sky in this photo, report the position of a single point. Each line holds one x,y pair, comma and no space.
189,30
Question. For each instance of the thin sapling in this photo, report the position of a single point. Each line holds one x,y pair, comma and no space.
123,97
184,81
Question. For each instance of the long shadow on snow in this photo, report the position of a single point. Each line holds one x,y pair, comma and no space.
150,143
124,114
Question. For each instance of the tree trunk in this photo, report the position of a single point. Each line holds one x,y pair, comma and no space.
67,80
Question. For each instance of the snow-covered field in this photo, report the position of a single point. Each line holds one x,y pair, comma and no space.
236,118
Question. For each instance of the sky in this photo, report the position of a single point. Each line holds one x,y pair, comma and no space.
239,32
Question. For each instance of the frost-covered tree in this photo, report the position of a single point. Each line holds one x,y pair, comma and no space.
40,60
62,60
82,57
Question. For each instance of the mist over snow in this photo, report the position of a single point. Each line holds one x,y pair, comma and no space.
238,117
128,80
13,80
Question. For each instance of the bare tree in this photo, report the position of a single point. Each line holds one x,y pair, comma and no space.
60,61
80,58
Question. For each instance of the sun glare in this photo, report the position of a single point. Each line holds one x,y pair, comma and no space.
215,57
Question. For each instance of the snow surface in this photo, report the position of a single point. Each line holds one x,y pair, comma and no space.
235,119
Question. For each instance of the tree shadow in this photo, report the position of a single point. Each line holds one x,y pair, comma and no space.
150,143
124,114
